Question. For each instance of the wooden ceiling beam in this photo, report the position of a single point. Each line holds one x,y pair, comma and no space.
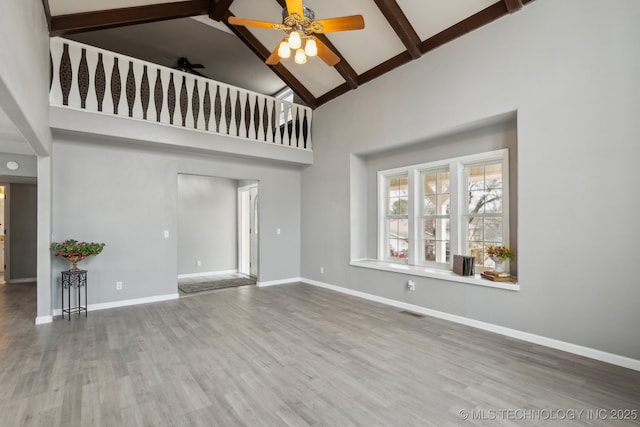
217,11
401,25
263,53
367,76
333,94
343,67
513,5
480,19
47,13
99,20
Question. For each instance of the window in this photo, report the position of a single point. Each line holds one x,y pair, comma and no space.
431,211
285,95
483,218
396,222
434,215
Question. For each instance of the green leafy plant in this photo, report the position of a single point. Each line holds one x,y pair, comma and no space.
73,248
501,252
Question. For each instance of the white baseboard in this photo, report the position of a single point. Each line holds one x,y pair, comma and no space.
41,320
124,303
278,282
206,273
25,280
591,353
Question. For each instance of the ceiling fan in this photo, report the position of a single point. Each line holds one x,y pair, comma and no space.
299,23
185,65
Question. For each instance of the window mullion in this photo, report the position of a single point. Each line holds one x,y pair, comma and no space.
505,200
456,210
383,232
413,207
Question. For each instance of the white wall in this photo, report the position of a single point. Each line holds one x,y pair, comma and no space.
28,165
24,70
207,224
127,196
570,69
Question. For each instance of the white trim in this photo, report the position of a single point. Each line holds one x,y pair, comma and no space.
25,280
206,273
434,273
591,353
457,215
124,303
41,320
279,282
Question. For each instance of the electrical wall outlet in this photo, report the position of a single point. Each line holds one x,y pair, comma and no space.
166,234
411,285
118,286
321,270
198,263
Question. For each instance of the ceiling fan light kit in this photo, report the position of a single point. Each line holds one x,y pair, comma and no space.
310,47
284,51
294,40
299,23
300,57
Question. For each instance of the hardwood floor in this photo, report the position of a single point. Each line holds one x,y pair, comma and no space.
286,355
212,282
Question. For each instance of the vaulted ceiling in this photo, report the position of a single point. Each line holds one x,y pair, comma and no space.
396,32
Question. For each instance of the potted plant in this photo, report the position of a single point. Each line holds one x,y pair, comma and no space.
499,254
75,251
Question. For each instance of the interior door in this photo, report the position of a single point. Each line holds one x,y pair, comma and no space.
253,240
244,233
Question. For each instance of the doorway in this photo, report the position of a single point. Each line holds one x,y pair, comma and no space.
208,237
248,230
3,215
18,248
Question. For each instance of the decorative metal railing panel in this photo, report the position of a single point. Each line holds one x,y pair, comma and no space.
92,79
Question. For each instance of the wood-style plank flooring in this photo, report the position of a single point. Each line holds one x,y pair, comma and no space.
290,355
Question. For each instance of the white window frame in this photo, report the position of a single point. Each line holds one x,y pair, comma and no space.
419,214
459,202
286,96
383,248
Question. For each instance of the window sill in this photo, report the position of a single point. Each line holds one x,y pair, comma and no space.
432,273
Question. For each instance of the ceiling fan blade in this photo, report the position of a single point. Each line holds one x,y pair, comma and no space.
192,71
274,58
233,20
344,23
326,54
295,6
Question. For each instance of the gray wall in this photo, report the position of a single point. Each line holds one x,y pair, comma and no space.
207,224
576,91
482,138
23,210
28,165
24,70
127,196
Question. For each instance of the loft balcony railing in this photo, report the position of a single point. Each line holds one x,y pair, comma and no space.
92,79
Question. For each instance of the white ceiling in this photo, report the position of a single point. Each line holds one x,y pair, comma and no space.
11,140
164,42
429,17
67,7
229,60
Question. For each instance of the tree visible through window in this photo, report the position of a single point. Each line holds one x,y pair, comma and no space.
484,209
431,211
397,218
435,215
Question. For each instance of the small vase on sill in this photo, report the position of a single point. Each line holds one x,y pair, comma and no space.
500,264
